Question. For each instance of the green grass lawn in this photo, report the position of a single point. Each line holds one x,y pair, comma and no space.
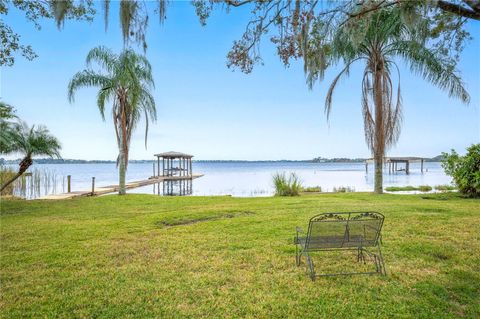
216,257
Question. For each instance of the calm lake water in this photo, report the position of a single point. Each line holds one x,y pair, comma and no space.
245,178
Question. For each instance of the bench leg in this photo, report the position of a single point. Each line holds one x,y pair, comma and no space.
377,264
381,263
360,255
377,258
298,256
310,267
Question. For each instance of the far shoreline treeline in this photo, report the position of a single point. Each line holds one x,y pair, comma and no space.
315,160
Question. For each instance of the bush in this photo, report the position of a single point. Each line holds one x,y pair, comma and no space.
465,170
445,188
424,188
287,186
312,189
400,188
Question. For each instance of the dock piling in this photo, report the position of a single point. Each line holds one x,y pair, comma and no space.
69,179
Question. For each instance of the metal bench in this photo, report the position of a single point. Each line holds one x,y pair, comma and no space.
342,231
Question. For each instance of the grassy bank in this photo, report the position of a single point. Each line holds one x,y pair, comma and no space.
215,257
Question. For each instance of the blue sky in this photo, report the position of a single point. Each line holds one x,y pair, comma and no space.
214,113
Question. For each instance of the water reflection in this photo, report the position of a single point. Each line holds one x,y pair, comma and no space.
181,187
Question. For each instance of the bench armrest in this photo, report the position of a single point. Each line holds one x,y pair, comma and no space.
298,230
371,227
376,229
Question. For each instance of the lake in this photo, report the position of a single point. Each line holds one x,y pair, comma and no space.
242,178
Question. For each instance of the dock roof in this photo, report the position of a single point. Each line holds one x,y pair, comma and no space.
399,159
173,154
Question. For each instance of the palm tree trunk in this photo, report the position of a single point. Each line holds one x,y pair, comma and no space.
378,162
379,143
23,166
10,181
121,164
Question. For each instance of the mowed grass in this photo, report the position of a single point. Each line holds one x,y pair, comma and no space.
221,257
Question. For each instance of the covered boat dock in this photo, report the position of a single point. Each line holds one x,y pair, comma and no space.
176,170
393,163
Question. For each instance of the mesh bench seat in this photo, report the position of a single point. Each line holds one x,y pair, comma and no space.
360,231
335,241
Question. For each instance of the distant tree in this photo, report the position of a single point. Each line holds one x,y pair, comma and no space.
125,80
31,141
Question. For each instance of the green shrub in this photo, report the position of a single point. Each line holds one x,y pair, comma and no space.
465,170
312,189
401,188
445,188
284,186
424,188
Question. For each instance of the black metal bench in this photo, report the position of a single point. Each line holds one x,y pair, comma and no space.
342,231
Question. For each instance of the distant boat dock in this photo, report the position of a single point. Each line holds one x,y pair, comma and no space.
392,163
176,177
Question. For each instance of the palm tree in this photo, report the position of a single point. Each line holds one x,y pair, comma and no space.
31,141
124,80
379,41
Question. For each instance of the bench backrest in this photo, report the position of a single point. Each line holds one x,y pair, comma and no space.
344,230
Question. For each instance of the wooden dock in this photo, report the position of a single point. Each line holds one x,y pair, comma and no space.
114,188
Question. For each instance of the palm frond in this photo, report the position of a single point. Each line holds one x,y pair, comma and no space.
333,85
432,68
103,56
87,78
35,141
368,121
104,95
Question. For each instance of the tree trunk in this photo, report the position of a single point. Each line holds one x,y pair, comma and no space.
379,142
378,160
121,165
23,166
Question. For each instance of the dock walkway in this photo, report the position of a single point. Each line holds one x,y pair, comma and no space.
114,188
